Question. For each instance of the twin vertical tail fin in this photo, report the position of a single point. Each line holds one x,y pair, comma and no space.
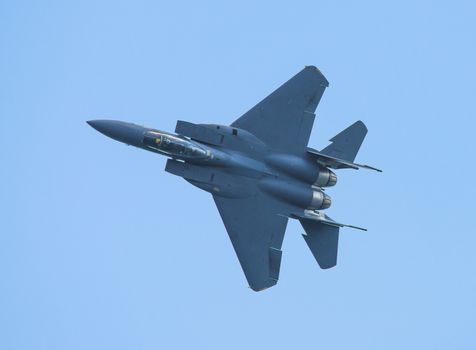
322,240
322,233
322,237
346,144
340,154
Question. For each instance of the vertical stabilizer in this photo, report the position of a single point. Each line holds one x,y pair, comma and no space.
346,144
322,239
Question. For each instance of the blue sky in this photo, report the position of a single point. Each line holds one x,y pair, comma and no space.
100,248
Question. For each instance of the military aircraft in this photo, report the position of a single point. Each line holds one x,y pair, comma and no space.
261,172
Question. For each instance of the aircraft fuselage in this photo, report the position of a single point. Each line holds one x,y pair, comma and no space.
294,179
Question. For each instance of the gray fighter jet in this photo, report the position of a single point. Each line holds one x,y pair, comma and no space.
260,172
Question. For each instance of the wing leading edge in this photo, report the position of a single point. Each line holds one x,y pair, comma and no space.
256,232
284,119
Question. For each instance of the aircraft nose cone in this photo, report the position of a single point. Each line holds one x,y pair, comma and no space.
128,133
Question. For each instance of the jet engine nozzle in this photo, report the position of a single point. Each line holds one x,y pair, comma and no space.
326,178
320,200
297,194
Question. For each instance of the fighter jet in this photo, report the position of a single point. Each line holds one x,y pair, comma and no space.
260,172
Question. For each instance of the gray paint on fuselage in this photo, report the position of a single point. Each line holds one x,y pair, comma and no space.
260,172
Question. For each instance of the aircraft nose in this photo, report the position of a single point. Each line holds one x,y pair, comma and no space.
128,133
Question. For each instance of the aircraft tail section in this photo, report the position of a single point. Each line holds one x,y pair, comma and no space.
346,144
322,240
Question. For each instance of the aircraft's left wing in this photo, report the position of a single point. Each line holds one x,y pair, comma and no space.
284,119
256,232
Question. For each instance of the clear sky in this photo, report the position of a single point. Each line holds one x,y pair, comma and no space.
101,249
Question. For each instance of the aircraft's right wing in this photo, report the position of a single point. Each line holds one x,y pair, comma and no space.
256,232
284,119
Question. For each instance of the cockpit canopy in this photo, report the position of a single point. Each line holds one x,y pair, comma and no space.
172,145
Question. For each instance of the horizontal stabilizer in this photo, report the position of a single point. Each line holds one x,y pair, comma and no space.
322,218
346,144
336,163
322,240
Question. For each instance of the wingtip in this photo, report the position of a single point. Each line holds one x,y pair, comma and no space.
362,125
258,288
324,80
